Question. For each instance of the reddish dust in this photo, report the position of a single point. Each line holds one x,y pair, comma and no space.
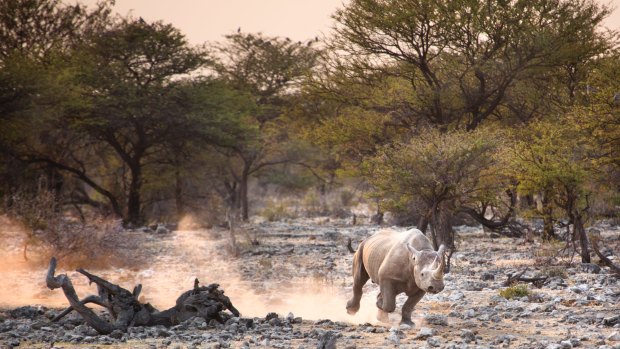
185,255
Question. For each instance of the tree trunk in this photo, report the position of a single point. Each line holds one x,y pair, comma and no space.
243,192
423,222
178,193
133,200
441,228
445,233
580,233
547,212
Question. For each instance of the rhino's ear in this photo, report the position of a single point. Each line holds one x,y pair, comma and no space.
414,253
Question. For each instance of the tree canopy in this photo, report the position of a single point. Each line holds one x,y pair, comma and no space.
469,110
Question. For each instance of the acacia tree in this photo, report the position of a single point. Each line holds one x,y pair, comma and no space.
35,36
129,82
213,118
553,159
443,174
453,66
38,29
463,58
268,69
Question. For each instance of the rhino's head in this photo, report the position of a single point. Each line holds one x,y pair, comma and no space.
428,268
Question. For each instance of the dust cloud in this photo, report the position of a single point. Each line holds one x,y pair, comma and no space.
173,264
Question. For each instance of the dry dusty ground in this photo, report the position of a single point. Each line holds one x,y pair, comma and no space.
300,270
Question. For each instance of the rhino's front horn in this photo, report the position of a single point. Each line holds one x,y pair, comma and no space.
438,272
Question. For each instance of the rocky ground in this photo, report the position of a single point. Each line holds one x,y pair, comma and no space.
291,289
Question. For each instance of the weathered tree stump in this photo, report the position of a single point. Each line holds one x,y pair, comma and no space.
126,311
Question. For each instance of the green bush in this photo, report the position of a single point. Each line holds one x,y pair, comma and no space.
516,291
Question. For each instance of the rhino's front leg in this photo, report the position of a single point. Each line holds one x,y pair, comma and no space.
412,300
386,300
388,297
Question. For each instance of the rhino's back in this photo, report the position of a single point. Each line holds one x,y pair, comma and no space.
383,243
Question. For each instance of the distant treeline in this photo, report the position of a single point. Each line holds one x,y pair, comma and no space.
492,110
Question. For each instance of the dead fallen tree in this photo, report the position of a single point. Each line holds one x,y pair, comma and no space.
537,281
126,311
594,238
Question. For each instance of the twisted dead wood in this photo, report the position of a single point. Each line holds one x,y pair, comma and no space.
126,311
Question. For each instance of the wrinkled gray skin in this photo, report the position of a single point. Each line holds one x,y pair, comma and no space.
400,262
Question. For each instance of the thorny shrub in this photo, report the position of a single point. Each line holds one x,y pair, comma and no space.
276,212
49,232
556,272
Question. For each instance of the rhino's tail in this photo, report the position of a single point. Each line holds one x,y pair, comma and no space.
358,263
349,247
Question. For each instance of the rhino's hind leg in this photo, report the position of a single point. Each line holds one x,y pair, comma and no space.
360,277
359,280
410,303
383,316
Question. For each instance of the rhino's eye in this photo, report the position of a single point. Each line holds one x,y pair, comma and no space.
422,274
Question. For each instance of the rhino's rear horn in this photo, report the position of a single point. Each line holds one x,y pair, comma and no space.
438,272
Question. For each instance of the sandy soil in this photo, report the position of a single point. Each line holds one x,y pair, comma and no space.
303,267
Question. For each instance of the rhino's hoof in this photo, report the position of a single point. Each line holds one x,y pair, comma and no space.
382,316
352,309
407,322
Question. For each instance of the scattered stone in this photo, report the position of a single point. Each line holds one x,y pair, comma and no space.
434,342
425,332
468,336
406,327
275,322
611,321
28,312
394,338
590,268
575,312
328,340
470,313
270,316
614,337
161,229
118,334
473,286
456,295
436,319
486,276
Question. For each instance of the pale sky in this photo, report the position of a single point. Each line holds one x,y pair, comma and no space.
209,20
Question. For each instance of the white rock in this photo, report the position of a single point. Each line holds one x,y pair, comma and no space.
425,332
614,337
